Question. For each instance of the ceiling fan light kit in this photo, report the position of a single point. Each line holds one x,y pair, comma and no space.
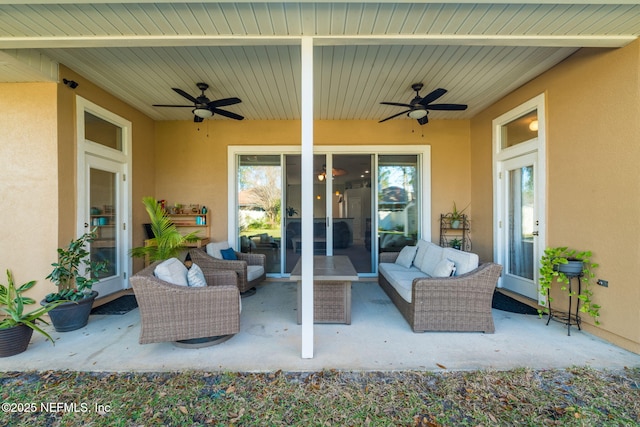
202,112
417,114
419,106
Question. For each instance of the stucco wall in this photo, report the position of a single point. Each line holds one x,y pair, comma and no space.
28,182
191,158
593,179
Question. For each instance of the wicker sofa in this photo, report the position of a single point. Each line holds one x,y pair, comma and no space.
461,302
171,312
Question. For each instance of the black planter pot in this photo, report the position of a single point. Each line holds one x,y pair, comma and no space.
72,315
14,340
572,268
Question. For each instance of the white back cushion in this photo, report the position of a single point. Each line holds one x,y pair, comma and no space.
214,248
432,257
420,251
172,271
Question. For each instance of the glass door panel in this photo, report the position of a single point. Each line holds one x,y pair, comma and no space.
521,227
397,202
105,217
351,209
260,208
291,244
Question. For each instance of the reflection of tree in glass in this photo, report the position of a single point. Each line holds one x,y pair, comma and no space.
397,176
262,184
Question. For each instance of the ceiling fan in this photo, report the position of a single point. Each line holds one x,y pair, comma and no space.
418,107
203,108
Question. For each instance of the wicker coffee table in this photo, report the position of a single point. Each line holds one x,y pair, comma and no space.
332,277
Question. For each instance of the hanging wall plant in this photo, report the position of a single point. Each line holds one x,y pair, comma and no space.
557,266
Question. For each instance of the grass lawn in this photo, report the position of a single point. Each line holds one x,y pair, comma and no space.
571,397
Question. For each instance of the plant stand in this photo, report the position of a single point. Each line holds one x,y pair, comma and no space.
567,317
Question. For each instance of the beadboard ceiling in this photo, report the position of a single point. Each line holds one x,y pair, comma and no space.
365,52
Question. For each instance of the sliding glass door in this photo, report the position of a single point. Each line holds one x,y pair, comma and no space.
364,203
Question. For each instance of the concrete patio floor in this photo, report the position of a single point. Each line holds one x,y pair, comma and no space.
379,339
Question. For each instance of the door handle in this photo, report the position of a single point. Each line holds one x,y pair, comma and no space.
535,233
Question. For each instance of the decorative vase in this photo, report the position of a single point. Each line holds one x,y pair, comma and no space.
573,267
455,223
14,340
72,315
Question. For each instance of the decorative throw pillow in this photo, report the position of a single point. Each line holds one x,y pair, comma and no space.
195,277
172,271
444,268
228,254
214,248
406,255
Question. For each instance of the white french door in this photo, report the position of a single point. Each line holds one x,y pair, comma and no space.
104,201
519,196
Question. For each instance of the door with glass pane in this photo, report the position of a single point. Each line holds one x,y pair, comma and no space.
520,225
105,188
342,207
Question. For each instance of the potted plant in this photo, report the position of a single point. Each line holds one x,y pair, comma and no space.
16,326
456,217
291,211
168,242
559,265
74,274
456,243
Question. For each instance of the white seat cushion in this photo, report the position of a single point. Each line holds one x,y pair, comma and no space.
172,271
214,248
254,271
400,278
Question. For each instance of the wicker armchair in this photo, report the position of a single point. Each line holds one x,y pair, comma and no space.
171,312
459,303
247,267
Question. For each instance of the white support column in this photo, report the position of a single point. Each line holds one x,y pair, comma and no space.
307,196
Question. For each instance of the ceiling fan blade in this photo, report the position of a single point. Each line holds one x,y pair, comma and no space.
185,94
395,115
180,106
424,120
197,119
453,107
432,96
397,104
224,102
227,114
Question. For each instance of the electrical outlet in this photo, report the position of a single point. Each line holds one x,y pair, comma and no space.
604,283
